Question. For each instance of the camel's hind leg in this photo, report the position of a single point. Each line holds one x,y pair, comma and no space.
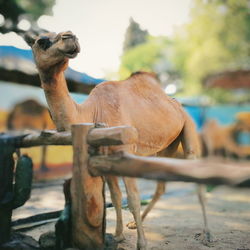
116,197
161,186
192,150
160,190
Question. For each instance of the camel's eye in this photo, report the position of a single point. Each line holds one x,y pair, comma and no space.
44,42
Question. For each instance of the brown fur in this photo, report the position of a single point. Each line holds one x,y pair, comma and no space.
30,114
219,140
138,101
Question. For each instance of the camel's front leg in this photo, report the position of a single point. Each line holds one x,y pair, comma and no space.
134,205
116,197
201,191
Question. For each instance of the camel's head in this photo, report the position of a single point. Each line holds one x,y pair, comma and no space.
52,50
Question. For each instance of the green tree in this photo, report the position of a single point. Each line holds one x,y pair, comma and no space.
143,52
134,35
146,57
216,39
13,11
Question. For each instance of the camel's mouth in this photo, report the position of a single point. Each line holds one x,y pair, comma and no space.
72,53
71,50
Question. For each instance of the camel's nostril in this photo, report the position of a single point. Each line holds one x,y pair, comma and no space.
68,36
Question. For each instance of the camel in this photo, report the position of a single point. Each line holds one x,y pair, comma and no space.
137,101
30,114
220,140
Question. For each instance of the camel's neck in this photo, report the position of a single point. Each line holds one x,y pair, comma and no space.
62,107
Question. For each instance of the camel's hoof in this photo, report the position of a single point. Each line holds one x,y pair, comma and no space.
207,243
119,238
207,239
132,225
141,246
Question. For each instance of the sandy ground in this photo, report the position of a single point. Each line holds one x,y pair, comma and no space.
176,221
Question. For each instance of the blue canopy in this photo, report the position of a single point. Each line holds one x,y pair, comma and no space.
17,65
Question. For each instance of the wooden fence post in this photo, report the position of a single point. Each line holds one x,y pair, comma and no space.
87,193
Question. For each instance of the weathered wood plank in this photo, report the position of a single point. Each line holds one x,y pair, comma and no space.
97,137
46,137
169,169
87,194
31,138
112,136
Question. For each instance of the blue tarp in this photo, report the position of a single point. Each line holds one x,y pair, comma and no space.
21,58
224,114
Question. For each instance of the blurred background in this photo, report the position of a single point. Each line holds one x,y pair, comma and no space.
199,49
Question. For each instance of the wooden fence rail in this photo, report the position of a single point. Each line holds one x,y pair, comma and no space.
87,186
169,169
95,137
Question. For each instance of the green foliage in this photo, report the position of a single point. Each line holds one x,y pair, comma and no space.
143,56
15,10
36,8
216,39
10,10
210,188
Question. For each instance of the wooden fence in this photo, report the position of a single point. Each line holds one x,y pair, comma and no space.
87,185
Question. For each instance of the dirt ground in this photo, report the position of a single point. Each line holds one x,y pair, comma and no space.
174,224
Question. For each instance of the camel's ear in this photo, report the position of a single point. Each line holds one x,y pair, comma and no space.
30,38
